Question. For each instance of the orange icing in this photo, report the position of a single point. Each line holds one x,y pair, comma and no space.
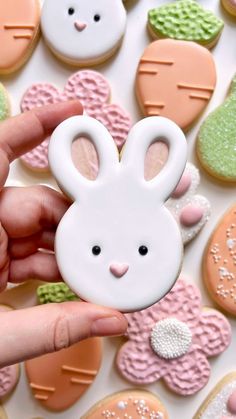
129,404
19,27
175,79
219,263
59,379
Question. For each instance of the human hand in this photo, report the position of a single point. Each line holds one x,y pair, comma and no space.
28,220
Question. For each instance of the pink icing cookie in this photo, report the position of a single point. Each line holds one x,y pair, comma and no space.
94,92
172,340
9,376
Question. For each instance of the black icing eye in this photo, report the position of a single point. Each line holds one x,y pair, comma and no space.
96,250
96,18
71,11
143,250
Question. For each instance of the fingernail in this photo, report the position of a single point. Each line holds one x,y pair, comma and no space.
109,326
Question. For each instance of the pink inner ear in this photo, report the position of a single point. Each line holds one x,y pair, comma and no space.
85,158
232,402
155,159
191,215
182,187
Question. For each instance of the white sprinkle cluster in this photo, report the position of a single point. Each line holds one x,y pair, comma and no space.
170,338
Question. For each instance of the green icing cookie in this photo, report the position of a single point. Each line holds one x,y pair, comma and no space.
55,293
185,20
4,104
216,145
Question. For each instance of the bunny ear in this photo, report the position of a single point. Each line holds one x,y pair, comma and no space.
60,158
141,136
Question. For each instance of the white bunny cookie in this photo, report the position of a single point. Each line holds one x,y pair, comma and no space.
118,245
83,32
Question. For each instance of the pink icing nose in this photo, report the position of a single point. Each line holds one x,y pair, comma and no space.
118,270
80,26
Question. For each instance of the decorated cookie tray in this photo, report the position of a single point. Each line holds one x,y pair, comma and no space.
181,386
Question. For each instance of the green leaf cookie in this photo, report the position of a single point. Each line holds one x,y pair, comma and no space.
185,20
55,293
4,104
216,145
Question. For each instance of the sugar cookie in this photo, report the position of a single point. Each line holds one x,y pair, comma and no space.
137,404
3,414
172,340
9,376
94,92
55,293
229,6
92,30
219,263
185,20
175,79
104,243
5,107
59,379
216,141
190,210
19,23
221,402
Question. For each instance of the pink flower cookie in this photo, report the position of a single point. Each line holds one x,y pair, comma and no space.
94,92
9,376
172,340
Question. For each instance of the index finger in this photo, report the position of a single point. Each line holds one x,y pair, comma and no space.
23,132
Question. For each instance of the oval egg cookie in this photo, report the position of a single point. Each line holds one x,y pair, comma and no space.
175,79
137,404
219,263
221,402
19,30
59,379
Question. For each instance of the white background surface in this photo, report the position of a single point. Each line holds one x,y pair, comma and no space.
120,72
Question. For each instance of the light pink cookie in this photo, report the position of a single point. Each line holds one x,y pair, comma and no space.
172,340
93,90
9,376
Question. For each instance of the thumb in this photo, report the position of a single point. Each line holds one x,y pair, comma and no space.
39,330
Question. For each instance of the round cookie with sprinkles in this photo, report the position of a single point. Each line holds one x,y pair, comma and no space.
221,402
175,79
172,341
138,404
216,143
219,263
185,20
5,107
55,293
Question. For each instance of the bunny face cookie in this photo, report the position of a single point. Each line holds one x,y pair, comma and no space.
92,29
118,245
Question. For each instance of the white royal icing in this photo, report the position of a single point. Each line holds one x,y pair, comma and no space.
83,31
171,338
120,213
